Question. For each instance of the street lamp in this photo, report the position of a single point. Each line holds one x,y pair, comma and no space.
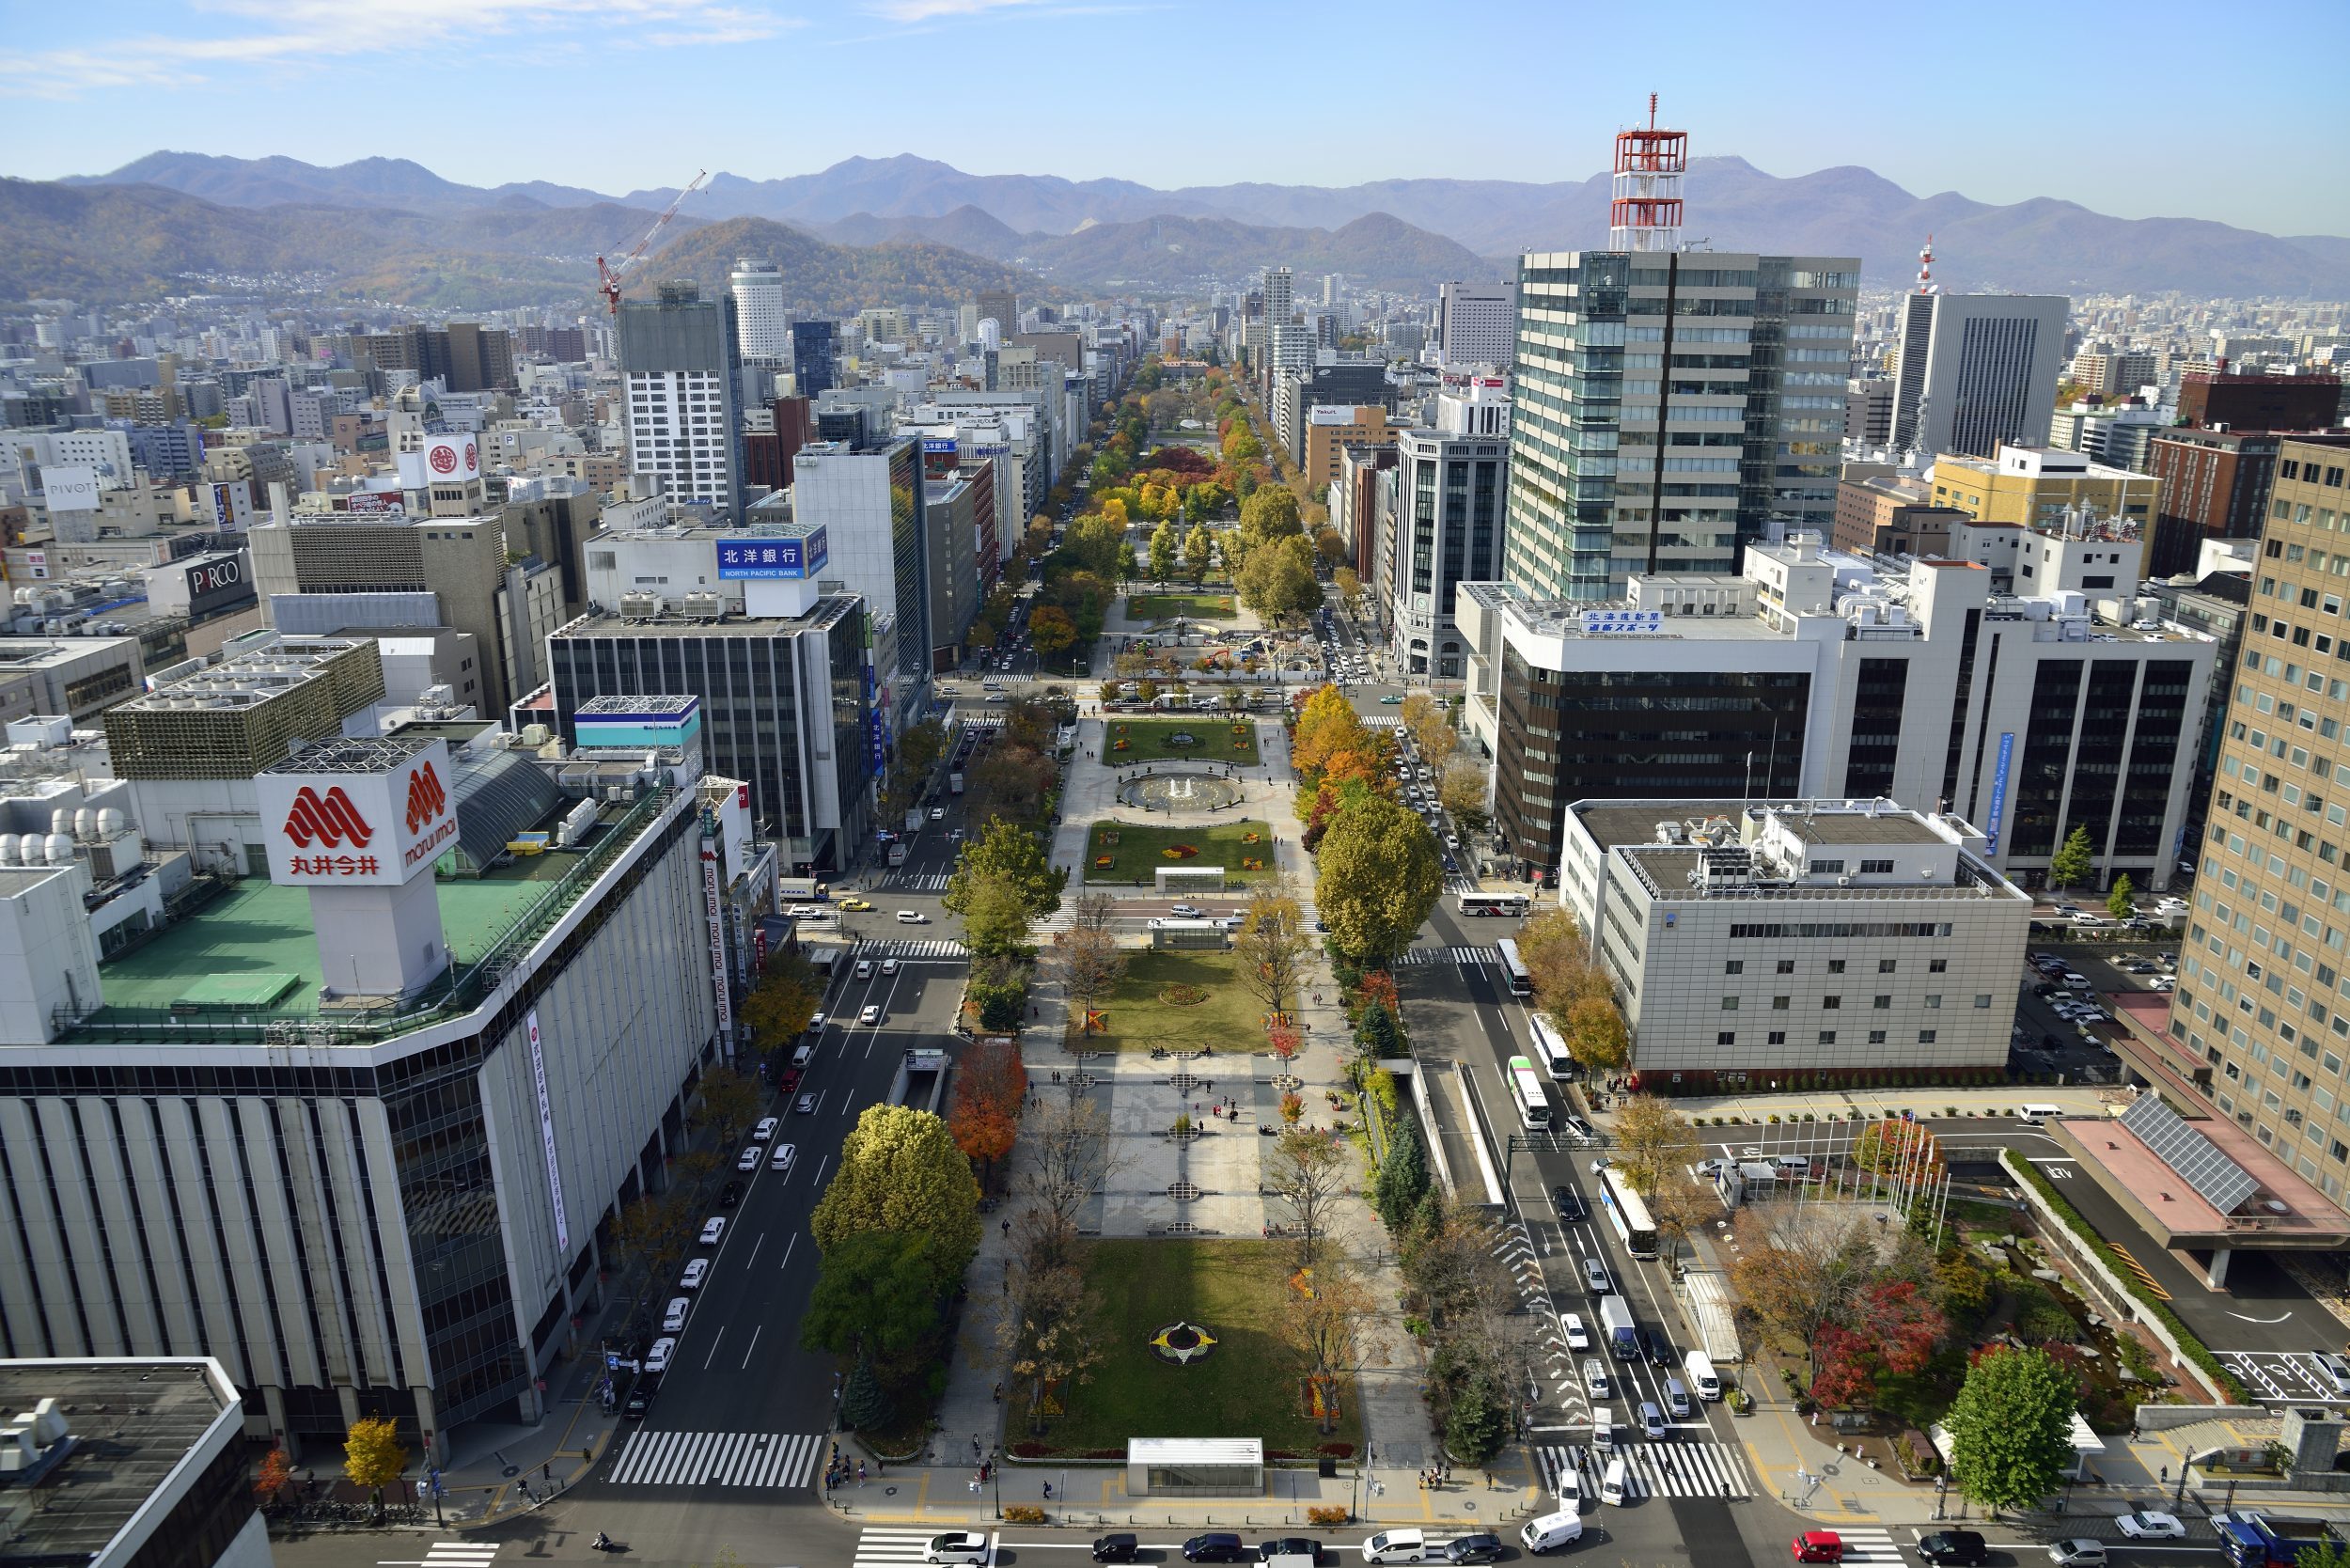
996,1477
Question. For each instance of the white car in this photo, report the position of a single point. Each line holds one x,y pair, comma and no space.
864,968
766,1128
817,1021
913,917
673,1321
696,1272
938,813
657,1358
958,1546
890,965
747,1159
1578,1337
2151,1527
1401,1546
870,1015
1596,1378
715,1225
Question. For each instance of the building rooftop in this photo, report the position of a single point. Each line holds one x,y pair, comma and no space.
1860,823
672,623
133,1423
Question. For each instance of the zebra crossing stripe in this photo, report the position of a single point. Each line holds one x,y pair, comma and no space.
1869,1545
775,1459
1417,957
1667,1469
885,1548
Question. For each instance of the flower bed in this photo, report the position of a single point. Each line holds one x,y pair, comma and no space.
1183,996
1180,851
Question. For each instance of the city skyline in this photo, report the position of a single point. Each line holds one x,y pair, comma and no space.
705,59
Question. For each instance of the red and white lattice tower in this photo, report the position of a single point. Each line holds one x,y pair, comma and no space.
1644,213
1925,266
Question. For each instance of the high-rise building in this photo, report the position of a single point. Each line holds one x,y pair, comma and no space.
464,356
1477,323
872,503
1000,306
680,358
1279,306
759,316
814,369
1450,485
1978,372
1616,467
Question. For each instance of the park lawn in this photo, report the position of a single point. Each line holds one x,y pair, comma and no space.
1137,853
1148,740
1246,1386
1165,607
1134,1019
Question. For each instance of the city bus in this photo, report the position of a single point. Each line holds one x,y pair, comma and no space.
1527,1091
1551,1047
1512,904
1627,1213
1513,968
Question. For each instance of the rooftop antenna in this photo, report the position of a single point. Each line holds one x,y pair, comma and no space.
1925,268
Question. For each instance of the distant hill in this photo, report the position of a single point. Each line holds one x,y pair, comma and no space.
1379,250
828,279
2038,245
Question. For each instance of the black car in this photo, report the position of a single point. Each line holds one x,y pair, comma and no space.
1115,1548
1216,1546
1569,1202
1290,1545
1961,1546
729,1195
638,1403
2044,990
1481,1547
1658,1349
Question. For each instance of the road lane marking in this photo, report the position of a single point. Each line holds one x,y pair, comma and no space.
752,1347
713,1347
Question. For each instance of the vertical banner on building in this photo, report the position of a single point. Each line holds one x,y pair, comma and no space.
547,1134
1999,792
720,982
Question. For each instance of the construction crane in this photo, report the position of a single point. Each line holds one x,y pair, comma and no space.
608,278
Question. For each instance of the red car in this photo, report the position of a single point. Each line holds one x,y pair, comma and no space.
786,1080
1819,1545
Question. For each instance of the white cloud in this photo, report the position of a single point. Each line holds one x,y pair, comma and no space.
932,11
294,33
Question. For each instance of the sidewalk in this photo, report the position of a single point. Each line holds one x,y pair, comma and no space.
1836,1106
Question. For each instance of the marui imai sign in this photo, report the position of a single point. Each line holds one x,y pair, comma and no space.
358,829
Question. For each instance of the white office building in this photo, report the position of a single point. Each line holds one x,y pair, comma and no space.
1445,527
761,319
1836,936
1477,323
1978,372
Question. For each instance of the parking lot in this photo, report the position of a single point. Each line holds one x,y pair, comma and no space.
2067,1028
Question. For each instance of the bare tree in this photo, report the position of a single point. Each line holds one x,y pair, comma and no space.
1333,1325
1680,1207
1046,1330
1802,1265
1273,945
1070,1158
1087,960
1310,1173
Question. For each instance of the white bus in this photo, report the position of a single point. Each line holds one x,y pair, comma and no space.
1512,904
1627,1214
1527,1091
1513,968
1551,1047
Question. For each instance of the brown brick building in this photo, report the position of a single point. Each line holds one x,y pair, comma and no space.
1891,518
2259,402
2214,485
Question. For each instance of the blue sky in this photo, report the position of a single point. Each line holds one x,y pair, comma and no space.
2159,107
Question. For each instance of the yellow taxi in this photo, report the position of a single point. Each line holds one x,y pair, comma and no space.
856,903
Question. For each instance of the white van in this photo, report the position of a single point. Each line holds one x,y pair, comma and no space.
2040,1116
1612,1484
1400,1545
1702,1378
1603,1429
1550,1530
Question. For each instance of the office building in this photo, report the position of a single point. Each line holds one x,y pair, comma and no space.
2027,711
1477,323
2033,487
681,362
1333,427
1279,307
815,366
2215,399
760,318
784,685
951,537
1324,382
1868,411
1977,371
2110,372
1362,499
2214,485
1001,307
463,356
872,504
1831,937
1449,482
1889,515
1616,469
153,1454
2118,435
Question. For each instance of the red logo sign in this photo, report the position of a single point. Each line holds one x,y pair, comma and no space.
329,819
425,796
473,459
445,460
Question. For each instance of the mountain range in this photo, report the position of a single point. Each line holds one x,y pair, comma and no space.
1399,232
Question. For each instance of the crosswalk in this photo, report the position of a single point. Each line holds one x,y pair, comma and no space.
1870,1546
896,1548
942,948
775,1459
1414,958
1654,1469
916,882
1381,721
452,1554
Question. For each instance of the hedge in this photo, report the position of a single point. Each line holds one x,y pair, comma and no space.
2190,1343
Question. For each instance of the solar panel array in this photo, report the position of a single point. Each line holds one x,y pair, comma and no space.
2195,1157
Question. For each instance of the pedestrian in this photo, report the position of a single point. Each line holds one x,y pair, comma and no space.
1489,1481
1007,1229
860,1472
1048,1491
999,1393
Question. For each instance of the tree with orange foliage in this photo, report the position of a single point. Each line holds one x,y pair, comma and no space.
276,1475
990,1082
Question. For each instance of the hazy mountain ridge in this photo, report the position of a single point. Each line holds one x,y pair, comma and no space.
823,278
2042,244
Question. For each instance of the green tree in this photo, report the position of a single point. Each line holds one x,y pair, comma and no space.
1479,1424
2121,901
2069,866
2011,1428
1596,1036
1377,878
1375,1031
900,1170
994,916
1277,579
1402,1178
865,1405
2325,1554
1272,946
1009,850
1198,546
1091,545
1052,630
876,1293
1163,551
